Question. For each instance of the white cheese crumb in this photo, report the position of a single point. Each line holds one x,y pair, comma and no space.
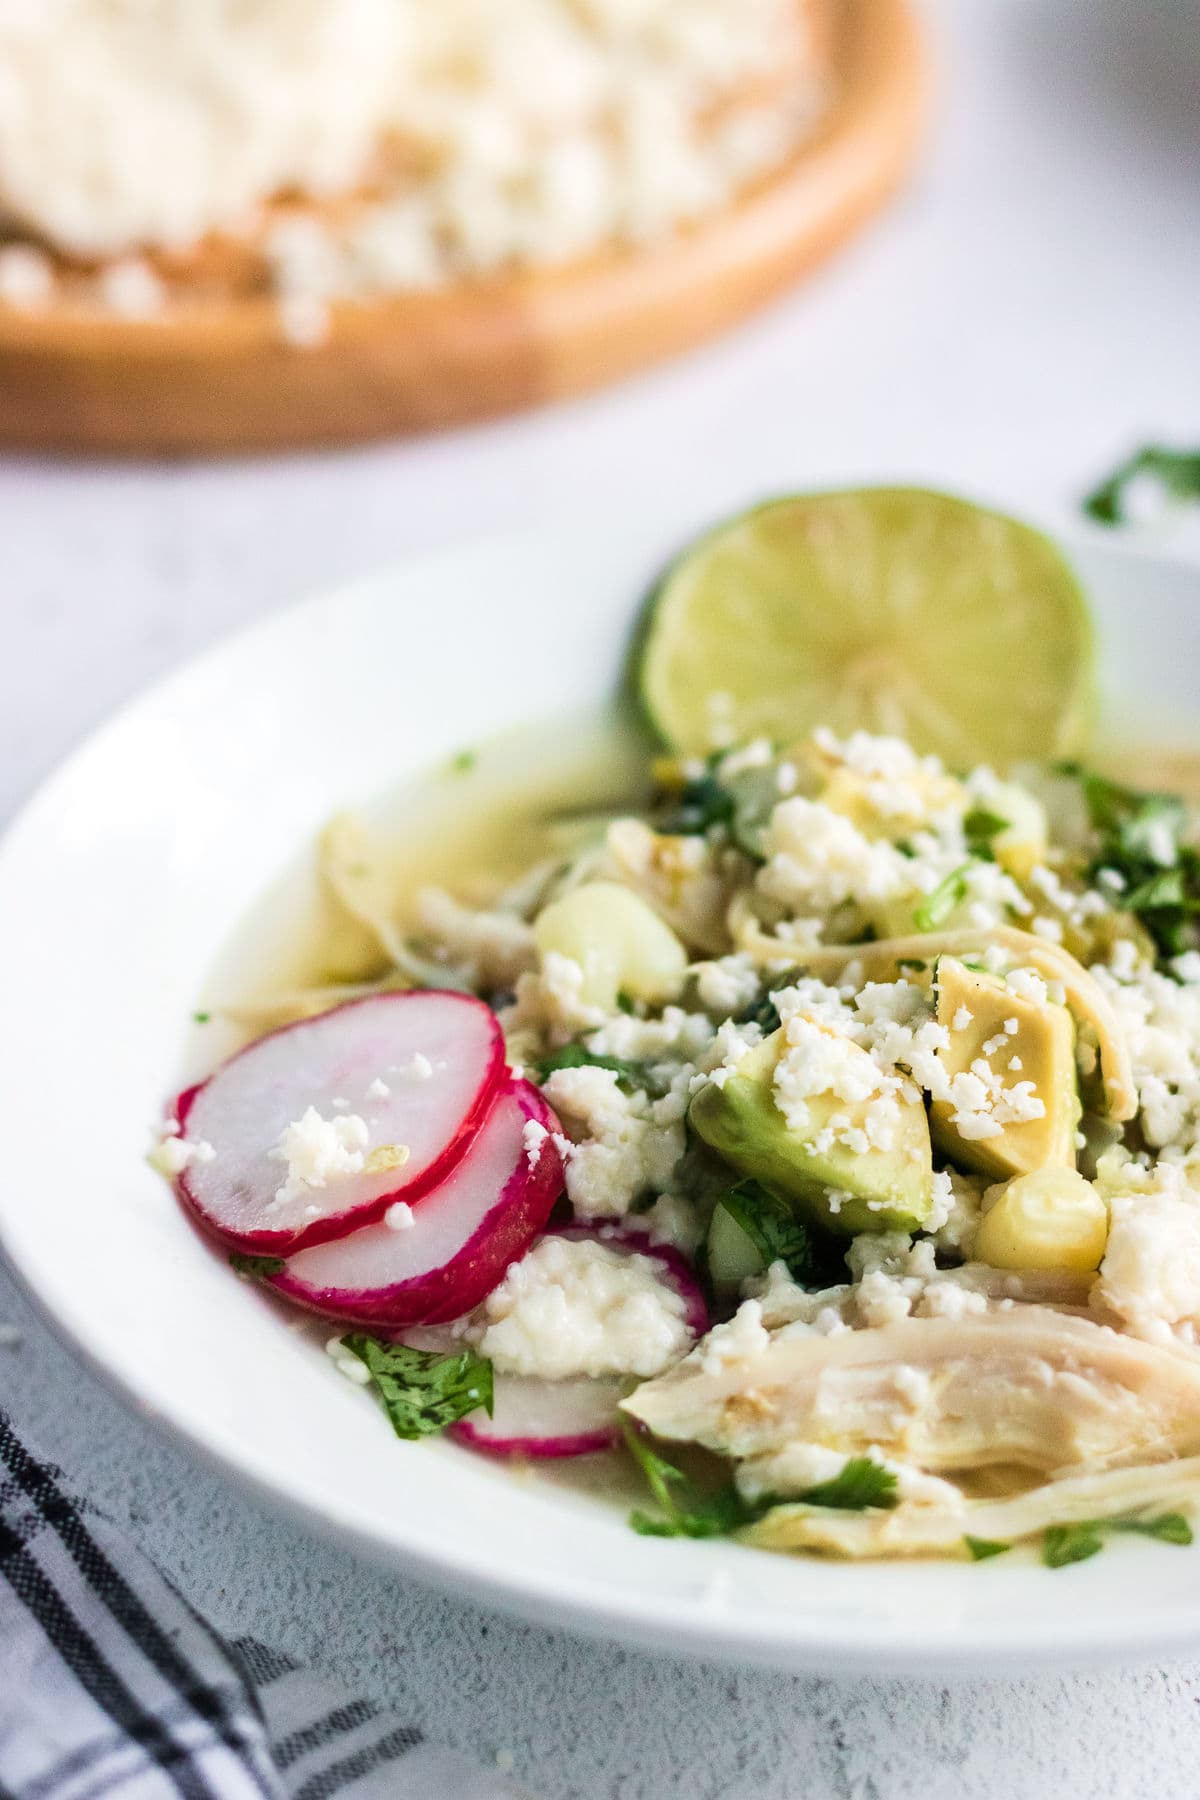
26,278
317,1151
173,1154
576,1307
131,290
961,1019
533,1136
399,1216
739,1340
378,1090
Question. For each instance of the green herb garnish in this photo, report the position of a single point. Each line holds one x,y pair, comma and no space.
936,907
463,762
861,1483
423,1391
772,1227
979,828
1139,841
255,1267
1177,473
911,962
630,1075
693,1512
687,1511
980,1549
1063,1544
201,1018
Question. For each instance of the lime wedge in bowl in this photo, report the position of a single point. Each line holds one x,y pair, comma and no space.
893,610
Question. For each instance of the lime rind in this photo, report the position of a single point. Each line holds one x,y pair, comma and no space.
894,609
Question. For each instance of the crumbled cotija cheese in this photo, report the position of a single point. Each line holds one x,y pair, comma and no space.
317,1151
1150,1276
476,134
173,1153
620,1149
576,1307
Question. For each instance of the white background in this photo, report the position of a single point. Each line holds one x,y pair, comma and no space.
1028,311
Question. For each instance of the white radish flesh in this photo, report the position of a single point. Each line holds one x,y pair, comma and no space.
546,1419
462,1236
420,1071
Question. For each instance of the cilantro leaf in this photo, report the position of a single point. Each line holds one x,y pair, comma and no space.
1138,839
979,828
1177,473
981,1548
937,906
630,1075
772,1227
1063,1544
861,1483
686,1510
763,1013
699,805
423,1391
254,1266
1168,1528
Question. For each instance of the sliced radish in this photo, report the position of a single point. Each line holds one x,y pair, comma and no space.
460,1239
545,1419
419,1070
578,1416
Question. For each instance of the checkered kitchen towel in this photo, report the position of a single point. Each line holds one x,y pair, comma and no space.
111,1685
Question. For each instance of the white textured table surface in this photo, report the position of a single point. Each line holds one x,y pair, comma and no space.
1025,314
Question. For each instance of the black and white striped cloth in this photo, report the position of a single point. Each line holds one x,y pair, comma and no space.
112,1685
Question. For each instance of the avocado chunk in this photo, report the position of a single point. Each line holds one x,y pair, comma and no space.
975,1008
841,1189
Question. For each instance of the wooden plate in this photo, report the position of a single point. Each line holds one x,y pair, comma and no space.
216,377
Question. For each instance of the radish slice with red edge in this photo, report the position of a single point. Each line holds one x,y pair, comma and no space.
545,1420
418,1069
460,1239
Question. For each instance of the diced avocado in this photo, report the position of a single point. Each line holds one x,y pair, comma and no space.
843,1190
975,1008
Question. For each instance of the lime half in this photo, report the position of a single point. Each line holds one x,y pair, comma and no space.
893,610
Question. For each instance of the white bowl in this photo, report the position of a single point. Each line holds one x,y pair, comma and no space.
119,885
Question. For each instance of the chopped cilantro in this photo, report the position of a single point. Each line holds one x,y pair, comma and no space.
630,1075
980,1549
1063,1544
201,1018
254,1266
979,828
763,1013
772,1227
1138,839
1177,473
690,1511
687,1511
699,805
463,762
861,1483
423,1391
936,907
1168,1528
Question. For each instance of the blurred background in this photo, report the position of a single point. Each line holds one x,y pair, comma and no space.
252,254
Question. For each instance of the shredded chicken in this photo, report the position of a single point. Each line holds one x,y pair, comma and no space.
940,1526
1016,1386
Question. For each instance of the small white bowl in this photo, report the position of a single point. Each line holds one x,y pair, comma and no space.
120,884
